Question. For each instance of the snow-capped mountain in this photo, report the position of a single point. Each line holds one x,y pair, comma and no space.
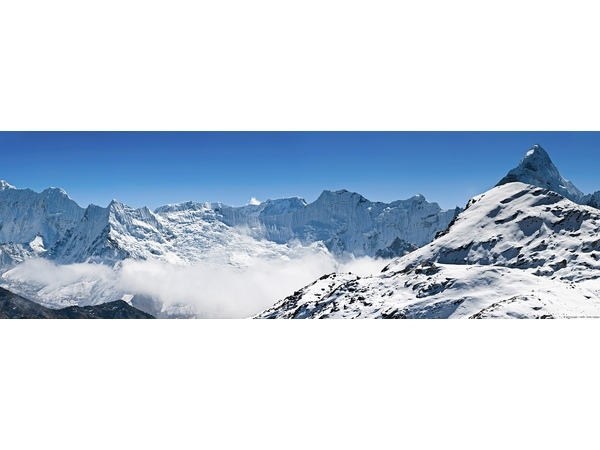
537,169
31,222
349,223
51,225
112,234
85,242
346,222
518,250
180,234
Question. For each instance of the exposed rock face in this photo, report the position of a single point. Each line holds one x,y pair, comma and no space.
13,306
396,249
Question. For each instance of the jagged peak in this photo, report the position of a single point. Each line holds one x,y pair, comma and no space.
55,190
116,206
184,206
5,185
419,198
287,200
537,148
536,158
341,193
537,169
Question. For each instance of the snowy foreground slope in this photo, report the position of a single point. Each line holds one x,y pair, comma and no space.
529,248
516,251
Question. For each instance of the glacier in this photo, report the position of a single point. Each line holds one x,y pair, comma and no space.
80,244
52,225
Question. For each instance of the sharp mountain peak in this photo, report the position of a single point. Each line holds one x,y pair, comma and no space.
537,169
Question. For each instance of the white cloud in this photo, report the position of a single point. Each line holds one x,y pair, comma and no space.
254,201
46,273
223,292
363,267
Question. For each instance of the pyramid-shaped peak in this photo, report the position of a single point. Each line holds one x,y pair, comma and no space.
538,150
537,169
536,157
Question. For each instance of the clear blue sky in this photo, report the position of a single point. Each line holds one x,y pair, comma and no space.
155,168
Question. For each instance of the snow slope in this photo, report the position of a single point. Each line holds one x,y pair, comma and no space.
522,226
516,251
440,291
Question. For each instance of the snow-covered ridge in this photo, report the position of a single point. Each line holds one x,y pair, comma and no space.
5,185
516,251
53,225
520,226
346,222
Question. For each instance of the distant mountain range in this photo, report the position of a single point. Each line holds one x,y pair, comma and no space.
52,226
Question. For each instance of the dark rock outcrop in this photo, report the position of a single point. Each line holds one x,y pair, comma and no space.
13,306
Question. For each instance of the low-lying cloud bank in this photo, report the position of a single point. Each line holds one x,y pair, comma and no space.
209,292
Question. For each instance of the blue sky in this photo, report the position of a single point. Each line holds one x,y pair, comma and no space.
155,168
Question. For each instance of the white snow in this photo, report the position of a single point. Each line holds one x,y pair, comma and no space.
5,185
517,251
37,245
